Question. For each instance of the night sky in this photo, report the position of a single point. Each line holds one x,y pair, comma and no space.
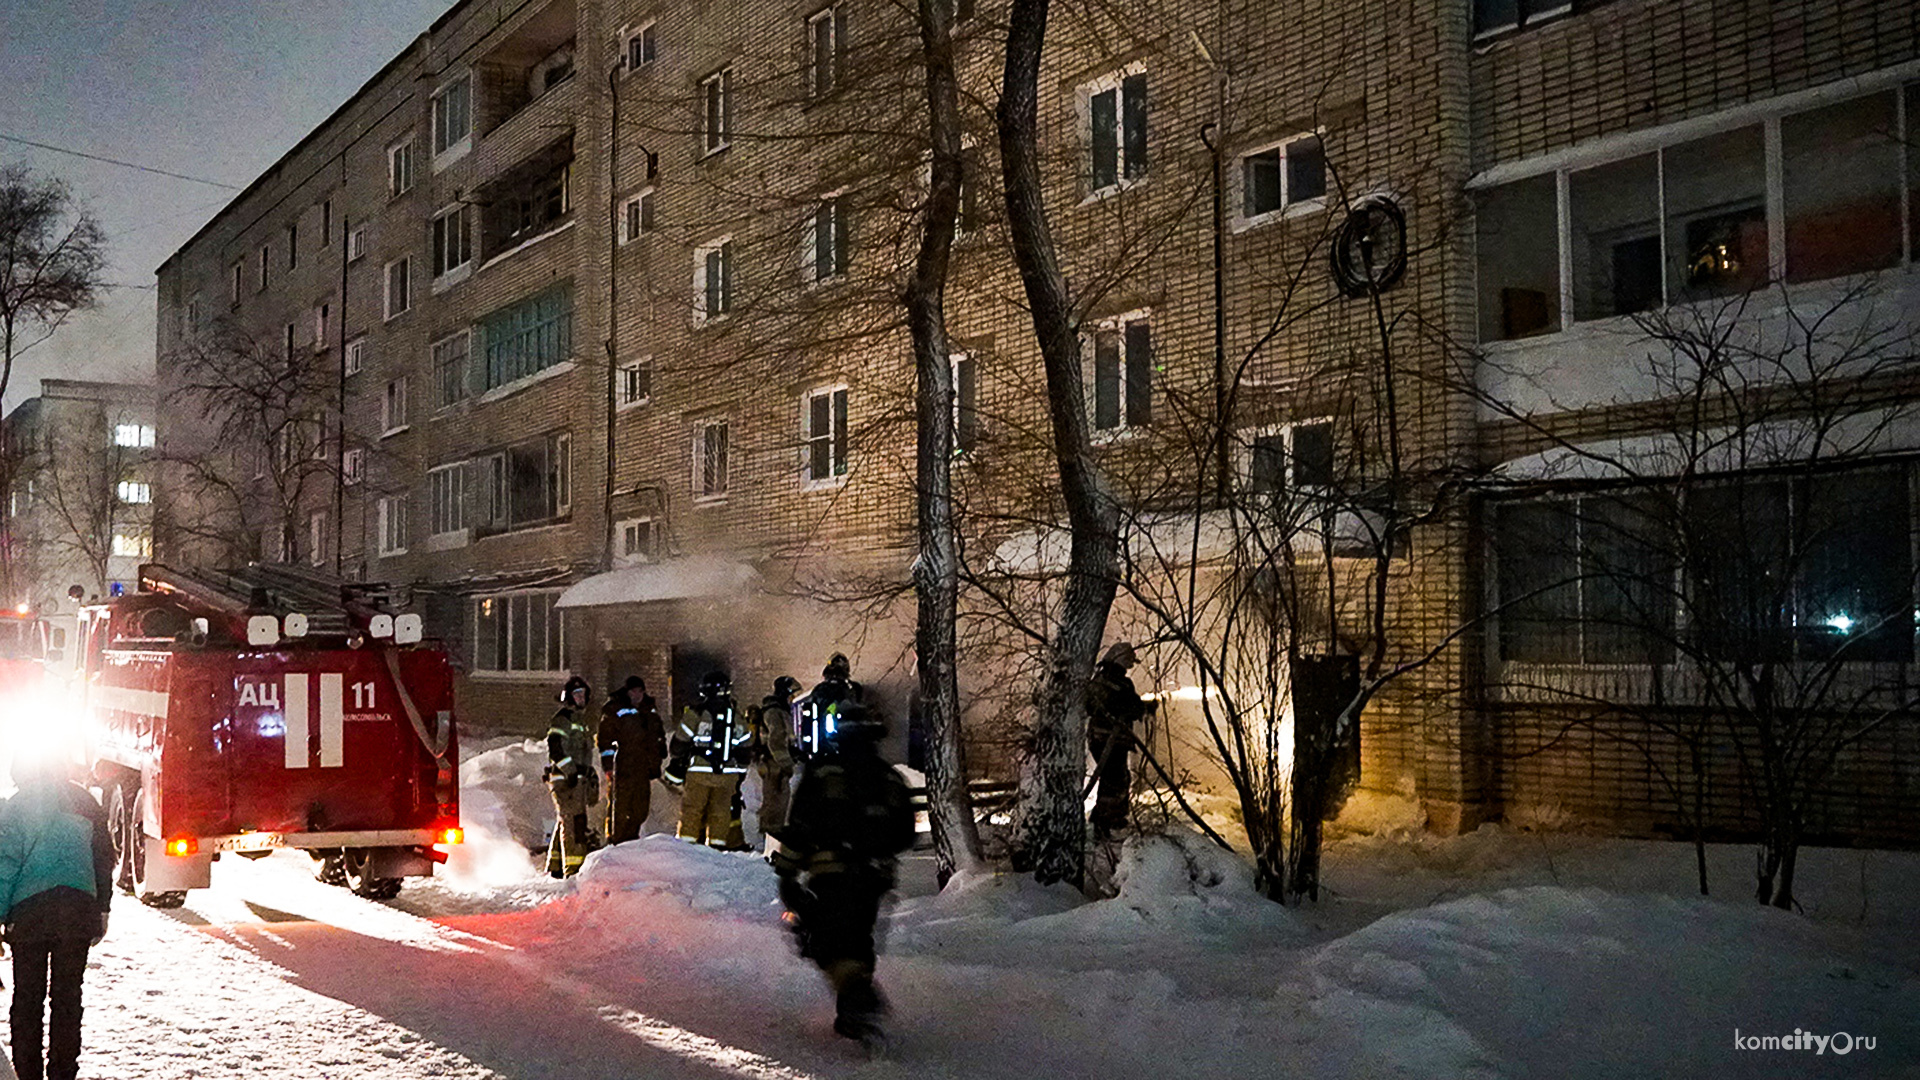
216,89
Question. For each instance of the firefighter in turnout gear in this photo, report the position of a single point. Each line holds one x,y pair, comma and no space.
710,752
773,754
819,710
632,745
572,780
1113,707
836,857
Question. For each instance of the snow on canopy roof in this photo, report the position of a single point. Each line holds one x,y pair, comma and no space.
675,579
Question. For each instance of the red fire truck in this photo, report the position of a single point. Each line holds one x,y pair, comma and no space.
23,649
269,707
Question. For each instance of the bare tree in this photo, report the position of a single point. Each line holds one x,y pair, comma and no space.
52,254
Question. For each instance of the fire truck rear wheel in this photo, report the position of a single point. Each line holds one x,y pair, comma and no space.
358,868
333,869
120,803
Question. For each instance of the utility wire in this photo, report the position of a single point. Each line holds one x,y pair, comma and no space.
116,161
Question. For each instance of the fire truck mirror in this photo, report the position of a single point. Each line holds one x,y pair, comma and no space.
295,625
380,626
263,630
407,629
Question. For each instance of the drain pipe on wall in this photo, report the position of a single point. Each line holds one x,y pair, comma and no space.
613,302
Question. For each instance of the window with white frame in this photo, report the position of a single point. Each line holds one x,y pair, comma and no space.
528,336
356,355
825,255
1115,128
356,244
353,465
1804,194
134,492
262,263
636,540
520,632
712,280
400,167
636,382
716,111
642,47
1120,390
636,216
528,483
447,498
133,435
450,369
1291,173
826,47
317,538
393,407
823,436
399,286
452,118
966,396
391,517
1290,459
452,239
710,460
132,543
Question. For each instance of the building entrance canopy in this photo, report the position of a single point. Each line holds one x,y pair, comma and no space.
675,579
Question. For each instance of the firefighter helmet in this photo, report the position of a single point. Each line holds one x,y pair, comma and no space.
785,686
574,683
715,682
838,668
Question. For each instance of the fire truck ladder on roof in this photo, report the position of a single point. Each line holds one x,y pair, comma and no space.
327,601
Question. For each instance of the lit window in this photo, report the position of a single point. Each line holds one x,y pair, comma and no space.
133,544
133,491
134,435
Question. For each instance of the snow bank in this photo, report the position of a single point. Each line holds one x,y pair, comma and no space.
735,884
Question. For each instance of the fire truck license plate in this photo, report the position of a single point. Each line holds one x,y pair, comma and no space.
257,841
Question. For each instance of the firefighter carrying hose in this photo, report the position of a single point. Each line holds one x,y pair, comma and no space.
572,780
709,756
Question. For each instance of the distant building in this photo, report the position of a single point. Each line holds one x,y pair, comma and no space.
79,492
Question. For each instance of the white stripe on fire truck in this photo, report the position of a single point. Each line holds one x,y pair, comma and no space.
296,711
333,720
125,699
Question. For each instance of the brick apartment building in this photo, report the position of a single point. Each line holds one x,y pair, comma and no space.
79,507
598,301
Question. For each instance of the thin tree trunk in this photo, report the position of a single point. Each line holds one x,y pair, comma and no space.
1051,837
956,840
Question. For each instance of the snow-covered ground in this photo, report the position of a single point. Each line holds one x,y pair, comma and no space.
1498,954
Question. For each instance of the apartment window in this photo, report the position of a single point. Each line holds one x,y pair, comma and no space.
447,499
825,255
636,540
1122,374
391,517
823,435
1586,581
1290,173
326,223
453,116
132,544
1116,129
450,369
400,166
399,286
716,110
826,46
452,240
1496,16
636,383
235,272
642,48
288,344
710,460
356,355
193,314
966,396
530,483
1840,183
529,336
134,492
133,435
534,199
520,632
317,539
265,260
356,244
1291,459
712,281
393,407
293,244
353,466
636,216
322,323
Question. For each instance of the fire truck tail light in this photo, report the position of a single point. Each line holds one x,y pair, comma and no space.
453,836
181,846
